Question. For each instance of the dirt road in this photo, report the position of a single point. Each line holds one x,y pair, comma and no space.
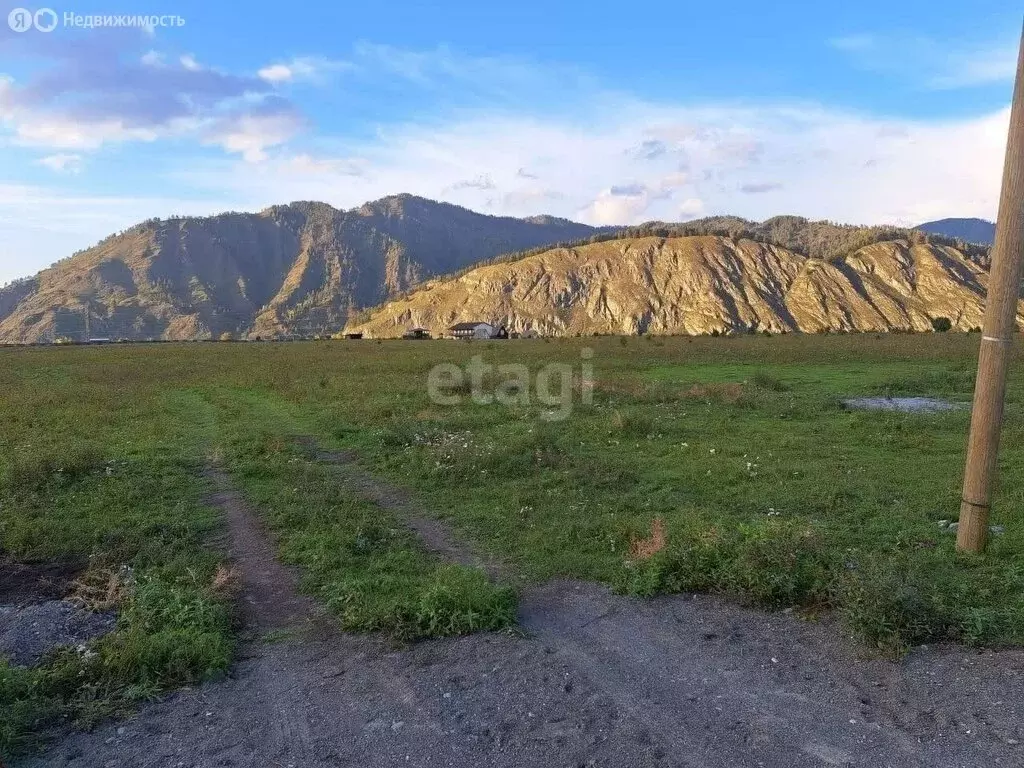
594,680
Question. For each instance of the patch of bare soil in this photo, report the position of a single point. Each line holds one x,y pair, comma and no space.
721,685
599,680
34,619
22,583
29,632
270,598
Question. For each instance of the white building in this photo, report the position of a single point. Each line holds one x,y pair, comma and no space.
472,330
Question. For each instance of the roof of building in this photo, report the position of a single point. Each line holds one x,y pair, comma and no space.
467,326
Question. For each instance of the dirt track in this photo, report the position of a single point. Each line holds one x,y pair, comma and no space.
598,680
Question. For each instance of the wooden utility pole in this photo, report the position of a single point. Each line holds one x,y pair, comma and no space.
997,335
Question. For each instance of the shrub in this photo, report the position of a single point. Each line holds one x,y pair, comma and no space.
941,324
888,604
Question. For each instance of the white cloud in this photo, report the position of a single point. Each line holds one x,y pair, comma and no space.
277,73
611,208
933,64
995,65
480,182
691,207
60,132
62,163
760,187
497,78
802,160
306,163
251,135
530,198
673,181
93,94
303,68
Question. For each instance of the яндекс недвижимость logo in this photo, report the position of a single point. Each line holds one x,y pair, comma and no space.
47,20
22,20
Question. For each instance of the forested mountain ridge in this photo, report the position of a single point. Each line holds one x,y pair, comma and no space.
970,230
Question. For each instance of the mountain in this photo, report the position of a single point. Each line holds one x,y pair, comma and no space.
308,268
302,267
968,230
697,284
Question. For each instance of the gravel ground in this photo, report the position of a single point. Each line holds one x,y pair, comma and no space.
29,632
603,680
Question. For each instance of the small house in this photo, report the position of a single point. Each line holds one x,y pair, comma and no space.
472,330
416,333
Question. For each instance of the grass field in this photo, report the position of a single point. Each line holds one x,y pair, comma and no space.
737,450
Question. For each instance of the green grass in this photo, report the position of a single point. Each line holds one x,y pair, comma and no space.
769,490
356,558
85,479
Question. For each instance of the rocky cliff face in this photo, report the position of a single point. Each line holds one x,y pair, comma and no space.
299,268
698,285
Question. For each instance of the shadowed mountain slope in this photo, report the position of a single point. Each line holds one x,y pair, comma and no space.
292,268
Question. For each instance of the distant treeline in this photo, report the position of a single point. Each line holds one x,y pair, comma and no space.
823,240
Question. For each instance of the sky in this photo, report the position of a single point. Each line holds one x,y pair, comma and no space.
607,113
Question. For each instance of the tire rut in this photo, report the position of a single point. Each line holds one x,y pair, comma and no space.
437,536
270,593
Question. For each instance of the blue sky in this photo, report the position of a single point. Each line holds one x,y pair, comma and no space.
606,113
